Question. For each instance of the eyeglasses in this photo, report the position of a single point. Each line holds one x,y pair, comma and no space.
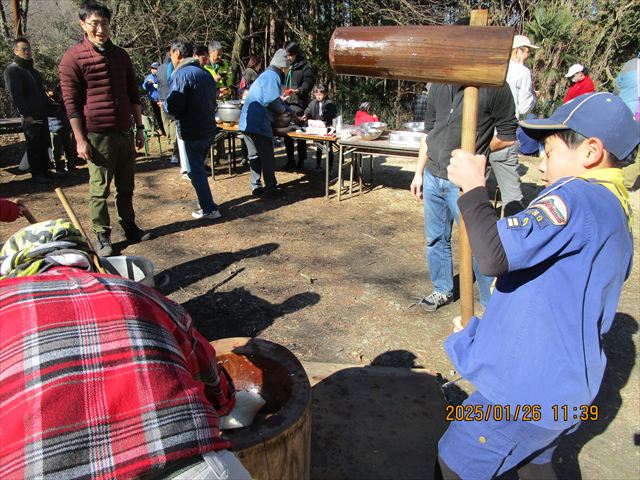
94,25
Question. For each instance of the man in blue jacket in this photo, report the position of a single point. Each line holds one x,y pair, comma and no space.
261,103
192,100
150,85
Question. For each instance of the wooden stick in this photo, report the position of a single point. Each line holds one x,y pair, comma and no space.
468,143
78,225
26,213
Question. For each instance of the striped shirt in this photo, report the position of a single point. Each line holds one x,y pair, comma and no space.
102,377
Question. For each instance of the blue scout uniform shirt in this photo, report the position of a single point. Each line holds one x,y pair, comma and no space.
150,85
538,343
256,116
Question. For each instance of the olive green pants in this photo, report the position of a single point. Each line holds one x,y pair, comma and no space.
631,174
112,158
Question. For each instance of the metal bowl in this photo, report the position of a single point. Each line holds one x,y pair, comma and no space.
370,133
377,125
281,120
229,112
413,126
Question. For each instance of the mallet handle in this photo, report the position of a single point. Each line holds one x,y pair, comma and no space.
468,143
78,225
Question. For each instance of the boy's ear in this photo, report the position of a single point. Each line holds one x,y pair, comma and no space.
594,153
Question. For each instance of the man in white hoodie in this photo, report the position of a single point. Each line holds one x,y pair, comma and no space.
505,162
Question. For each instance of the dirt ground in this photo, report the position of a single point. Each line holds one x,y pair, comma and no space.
333,282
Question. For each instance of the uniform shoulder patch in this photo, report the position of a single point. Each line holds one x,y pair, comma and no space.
553,208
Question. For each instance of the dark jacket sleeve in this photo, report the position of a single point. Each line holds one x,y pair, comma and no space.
308,80
178,95
278,106
329,112
430,111
504,109
482,227
72,85
132,83
309,110
14,85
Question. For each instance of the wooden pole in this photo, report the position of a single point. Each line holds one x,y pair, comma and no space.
78,225
26,213
468,143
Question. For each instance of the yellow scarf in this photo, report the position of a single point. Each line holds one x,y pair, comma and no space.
611,178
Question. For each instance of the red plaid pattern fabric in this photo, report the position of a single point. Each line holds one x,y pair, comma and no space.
101,377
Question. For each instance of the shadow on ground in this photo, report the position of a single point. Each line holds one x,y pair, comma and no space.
236,313
621,357
380,421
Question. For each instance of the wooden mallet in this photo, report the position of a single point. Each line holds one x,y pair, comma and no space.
78,225
474,56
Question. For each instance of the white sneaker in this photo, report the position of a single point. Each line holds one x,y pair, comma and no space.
185,176
214,215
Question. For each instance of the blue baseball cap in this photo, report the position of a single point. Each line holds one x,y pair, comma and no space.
155,65
598,114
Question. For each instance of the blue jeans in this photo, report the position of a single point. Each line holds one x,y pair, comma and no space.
196,151
440,210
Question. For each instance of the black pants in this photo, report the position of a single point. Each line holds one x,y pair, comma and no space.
319,152
63,142
37,136
158,116
302,150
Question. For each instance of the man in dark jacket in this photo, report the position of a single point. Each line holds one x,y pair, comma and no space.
443,123
192,100
100,94
298,84
24,84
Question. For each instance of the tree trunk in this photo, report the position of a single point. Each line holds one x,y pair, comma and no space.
6,31
272,33
240,39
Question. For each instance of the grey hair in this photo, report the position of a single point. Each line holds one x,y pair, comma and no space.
215,45
185,47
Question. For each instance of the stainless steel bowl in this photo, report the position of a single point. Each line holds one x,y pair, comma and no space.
377,125
281,120
229,112
413,126
370,133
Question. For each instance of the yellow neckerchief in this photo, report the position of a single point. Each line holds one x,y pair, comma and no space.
611,179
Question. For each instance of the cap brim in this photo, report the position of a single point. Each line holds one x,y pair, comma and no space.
539,128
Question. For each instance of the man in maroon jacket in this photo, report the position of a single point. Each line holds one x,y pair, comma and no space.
100,95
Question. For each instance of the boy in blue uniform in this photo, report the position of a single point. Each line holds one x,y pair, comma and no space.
535,357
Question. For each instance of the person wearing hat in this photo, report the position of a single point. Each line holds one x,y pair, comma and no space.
504,163
260,105
536,357
580,82
150,86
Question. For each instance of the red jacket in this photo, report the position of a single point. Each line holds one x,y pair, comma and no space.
100,87
579,88
363,117
9,211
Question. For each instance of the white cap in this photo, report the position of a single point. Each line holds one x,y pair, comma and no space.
574,69
522,41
